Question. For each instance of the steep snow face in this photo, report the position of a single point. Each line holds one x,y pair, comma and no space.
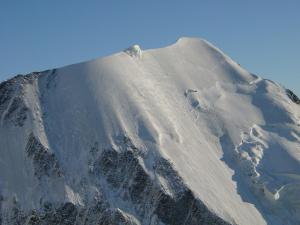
182,127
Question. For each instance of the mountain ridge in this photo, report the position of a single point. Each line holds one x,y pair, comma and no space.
186,120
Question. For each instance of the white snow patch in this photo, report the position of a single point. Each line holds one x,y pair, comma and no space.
134,51
72,197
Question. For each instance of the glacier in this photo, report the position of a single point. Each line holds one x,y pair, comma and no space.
175,135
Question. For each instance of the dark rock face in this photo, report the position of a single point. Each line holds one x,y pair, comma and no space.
185,209
6,91
129,192
12,104
293,97
45,163
115,216
16,112
64,215
69,214
124,170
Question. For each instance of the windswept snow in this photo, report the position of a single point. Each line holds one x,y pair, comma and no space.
231,136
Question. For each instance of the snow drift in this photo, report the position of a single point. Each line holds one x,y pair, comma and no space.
177,135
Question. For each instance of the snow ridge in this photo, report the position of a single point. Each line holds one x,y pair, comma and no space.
183,128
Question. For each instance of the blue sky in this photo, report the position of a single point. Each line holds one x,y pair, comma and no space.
261,35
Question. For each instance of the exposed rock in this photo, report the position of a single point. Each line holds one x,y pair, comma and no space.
116,217
124,171
12,104
17,112
134,51
45,162
293,96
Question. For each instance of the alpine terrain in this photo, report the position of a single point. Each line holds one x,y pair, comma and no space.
180,135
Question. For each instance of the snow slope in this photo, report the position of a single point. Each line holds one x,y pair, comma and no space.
231,137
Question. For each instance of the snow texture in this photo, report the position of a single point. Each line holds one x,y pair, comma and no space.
177,135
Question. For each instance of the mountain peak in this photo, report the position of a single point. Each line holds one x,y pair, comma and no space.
192,41
183,136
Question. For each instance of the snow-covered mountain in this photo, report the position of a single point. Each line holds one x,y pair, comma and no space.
171,136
